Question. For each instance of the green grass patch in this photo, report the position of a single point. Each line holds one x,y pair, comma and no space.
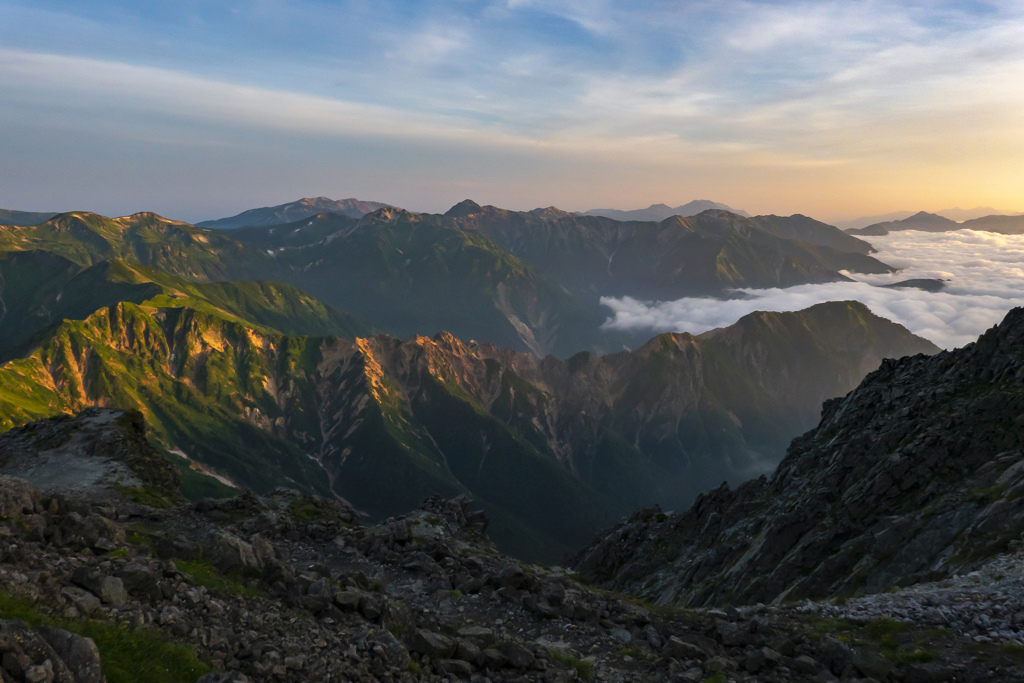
637,653
584,668
824,627
145,495
886,631
139,536
413,668
717,678
205,574
128,656
304,511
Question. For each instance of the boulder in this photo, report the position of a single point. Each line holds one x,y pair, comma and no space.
228,552
517,655
433,645
682,650
17,497
140,582
84,601
77,653
478,635
453,667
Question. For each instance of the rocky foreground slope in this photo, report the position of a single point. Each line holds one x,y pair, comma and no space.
917,474
95,585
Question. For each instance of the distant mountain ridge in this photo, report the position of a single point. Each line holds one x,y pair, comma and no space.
659,212
531,280
294,211
23,218
594,256
930,222
956,214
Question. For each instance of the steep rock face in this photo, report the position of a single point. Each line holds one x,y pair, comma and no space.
917,473
554,449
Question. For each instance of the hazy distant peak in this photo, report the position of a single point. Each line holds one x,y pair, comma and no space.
24,218
922,220
659,212
921,215
295,211
467,207
549,213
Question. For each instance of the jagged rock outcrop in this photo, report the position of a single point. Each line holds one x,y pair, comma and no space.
916,474
98,447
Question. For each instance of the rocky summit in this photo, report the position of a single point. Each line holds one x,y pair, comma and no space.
914,476
99,582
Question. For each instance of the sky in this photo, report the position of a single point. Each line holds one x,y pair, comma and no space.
199,110
983,276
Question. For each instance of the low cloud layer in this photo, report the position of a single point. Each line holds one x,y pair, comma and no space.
984,274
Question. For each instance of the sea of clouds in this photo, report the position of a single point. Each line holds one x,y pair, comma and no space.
984,275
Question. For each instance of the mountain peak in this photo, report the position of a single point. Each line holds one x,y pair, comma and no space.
467,207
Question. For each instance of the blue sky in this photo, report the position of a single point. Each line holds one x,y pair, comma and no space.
201,109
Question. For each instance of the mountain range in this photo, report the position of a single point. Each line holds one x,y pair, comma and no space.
659,212
269,357
307,381
294,211
956,214
530,280
384,423
8,217
930,222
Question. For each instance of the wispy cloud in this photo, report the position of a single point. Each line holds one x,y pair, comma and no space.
734,98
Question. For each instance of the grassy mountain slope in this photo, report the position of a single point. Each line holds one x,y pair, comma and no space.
261,407
40,289
197,378
143,238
